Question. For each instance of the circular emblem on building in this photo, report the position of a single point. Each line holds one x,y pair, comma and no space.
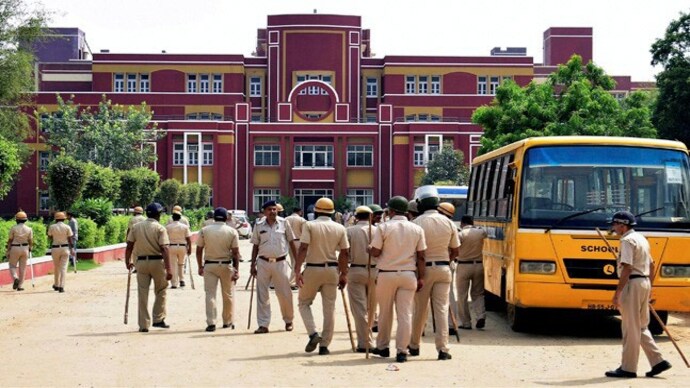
313,100
609,269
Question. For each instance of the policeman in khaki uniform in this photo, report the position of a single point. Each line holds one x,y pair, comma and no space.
635,266
180,245
361,279
272,239
320,240
296,222
399,247
441,236
19,244
470,275
60,235
138,217
221,264
183,219
148,242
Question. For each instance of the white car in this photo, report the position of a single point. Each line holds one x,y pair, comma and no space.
240,222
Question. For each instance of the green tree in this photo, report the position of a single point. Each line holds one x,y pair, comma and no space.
66,178
20,27
110,135
342,204
101,182
149,184
575,100
289,203
130,193
169,192
447,167
204,195
671,114
193,191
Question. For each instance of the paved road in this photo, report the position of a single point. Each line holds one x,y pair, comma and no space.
78,338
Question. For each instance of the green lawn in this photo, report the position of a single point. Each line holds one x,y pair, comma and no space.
83,265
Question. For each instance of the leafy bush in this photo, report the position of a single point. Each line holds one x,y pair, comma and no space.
10,165
66,178
40,237
98,209
112,231
101,182
5,227
193,191
123,221
169,193
88,233
196,217
204,196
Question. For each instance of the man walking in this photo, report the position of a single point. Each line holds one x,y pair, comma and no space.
399,247
320,240
180,245
442,243
470,275
60,248
634,268
361,277
148,242
74,226
19,244
272,241
296,222
221,264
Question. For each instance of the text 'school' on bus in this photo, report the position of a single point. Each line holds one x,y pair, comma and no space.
541,200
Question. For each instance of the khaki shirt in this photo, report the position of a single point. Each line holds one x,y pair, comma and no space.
209,221
440,234
399,241
178,232
471,243
148,236
634,251
21,234
60,233
183,220
358,236
272,240
218,239
296,224
324,237
135,220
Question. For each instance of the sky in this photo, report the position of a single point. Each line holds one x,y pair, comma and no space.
623,30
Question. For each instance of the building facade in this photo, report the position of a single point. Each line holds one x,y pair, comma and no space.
311,113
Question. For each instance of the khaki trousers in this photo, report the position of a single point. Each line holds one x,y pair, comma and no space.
437,281
634,311
214,273
360,287
470,280
294,270
60,260
148,270
177,258
395,288
277,273
18,255
325,281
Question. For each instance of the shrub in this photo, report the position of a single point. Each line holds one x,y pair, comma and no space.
40,237
193,191
112,231
88,233
98,209
102,182
204,196
196,217
169,193
66,178
123,221
100,237
5,227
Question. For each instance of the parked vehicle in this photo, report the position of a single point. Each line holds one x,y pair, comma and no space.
240,221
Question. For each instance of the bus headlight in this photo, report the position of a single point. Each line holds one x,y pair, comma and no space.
675,271
538,267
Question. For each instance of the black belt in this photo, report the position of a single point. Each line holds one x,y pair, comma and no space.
149,257
322,265
470,261
637,276
396,270
281,258
295,239
59,246
430,263
361,266
178,245
20,245
217,262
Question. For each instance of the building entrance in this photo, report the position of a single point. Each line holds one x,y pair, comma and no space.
308,197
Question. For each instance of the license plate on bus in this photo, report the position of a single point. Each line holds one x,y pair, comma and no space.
598,305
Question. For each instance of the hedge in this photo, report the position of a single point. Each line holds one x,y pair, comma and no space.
40,246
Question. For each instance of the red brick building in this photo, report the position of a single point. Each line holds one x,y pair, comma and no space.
311,113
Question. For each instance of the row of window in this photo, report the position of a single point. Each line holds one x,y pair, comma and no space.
314,90
423,84
193,154
492,81
357,197
135,83
491,193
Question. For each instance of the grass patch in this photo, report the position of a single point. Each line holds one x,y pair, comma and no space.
83,265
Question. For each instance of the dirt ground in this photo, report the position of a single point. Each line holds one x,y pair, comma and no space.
78,339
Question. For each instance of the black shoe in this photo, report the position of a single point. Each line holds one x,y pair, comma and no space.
230,325
401,357
375,329
55,288
15,285
444,355
294,288
211,328
314,340
481,322
363,350
161,324
61,289
289,326
468,327
382,352
261,330
323,351
620,373
134,271
173,286
143,330
452,332
182,283
658,368
20,289
413,352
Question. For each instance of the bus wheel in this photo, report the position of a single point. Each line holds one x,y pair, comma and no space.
518,317
654,325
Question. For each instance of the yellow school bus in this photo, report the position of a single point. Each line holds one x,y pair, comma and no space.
541,200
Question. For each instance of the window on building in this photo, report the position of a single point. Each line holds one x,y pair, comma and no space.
300,79
254,86
326,79
372,87
207,154
256,118
44,201
410,84
178,154
192,154
119,83
217,83
422,117
411,118
494,84
418,158
144,83
191,83
313,90
314,156
266,155
435,84
481,85
263,195
131,83
360,155
360,197
43,160
371,118
204,83
423,84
